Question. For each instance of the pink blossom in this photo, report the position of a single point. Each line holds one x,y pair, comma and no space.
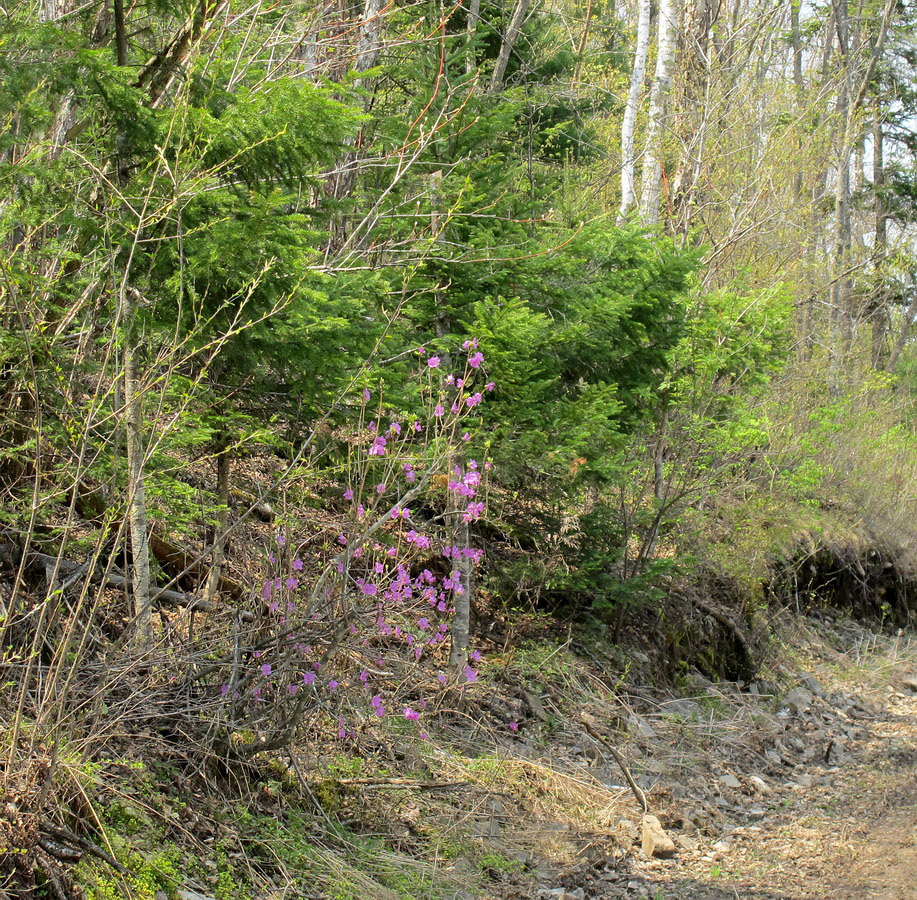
475,360
266,670
433,361
411,714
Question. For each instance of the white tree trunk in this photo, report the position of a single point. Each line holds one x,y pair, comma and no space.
628,162
651,179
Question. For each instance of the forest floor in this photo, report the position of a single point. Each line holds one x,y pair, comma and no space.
816,800
801,784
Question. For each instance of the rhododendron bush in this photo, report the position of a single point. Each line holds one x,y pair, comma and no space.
356,631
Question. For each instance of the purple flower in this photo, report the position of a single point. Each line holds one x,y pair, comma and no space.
292,583
292,688
297,564
266,670
411,713
366,394
308,677
433,361
281,540
476,656
513,726
224,690
348,494
470,674
466,436
475,360
369,589
489,386
332,685
423,623
438,411
342,540
380,487
364,676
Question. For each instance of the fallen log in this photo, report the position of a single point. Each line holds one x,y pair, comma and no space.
122,582
178,561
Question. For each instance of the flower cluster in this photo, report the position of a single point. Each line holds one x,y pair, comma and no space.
380,593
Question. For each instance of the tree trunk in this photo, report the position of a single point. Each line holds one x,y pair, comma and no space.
630,109
224,464
907,321
461,623
692,104
839,295
471,58
880,247
509,42
651,178
136,488
581,48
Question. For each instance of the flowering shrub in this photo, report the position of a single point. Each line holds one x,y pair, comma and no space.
352,642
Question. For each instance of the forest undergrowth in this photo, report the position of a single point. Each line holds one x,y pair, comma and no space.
404,407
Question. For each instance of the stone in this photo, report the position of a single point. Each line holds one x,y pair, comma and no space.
641,726
192,895
687,843
756,813
772,756
682,709
655,841
462,866
576,894
813,685
797,701
730,781
759,784
835,755
910,683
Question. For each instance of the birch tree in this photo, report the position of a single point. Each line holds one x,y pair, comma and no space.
651,177
630,109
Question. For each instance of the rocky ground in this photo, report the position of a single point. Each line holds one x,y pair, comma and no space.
809,790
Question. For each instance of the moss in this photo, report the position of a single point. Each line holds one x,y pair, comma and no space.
497,863
159,871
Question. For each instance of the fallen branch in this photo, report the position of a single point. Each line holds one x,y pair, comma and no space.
64,836
589,725
403,782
